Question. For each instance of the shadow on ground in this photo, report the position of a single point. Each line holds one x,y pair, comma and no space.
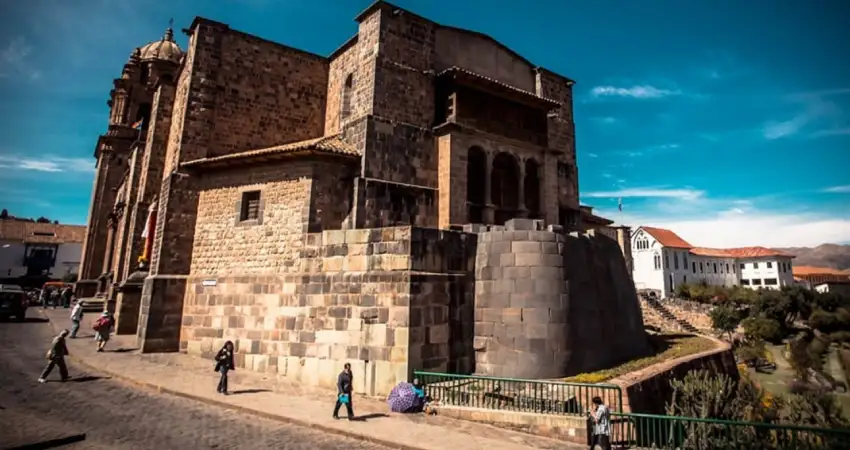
28,320
53,443
366,417
249,391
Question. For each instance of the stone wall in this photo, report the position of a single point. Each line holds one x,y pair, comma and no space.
697,314
606,328
648,391
381,299
269,245
521,302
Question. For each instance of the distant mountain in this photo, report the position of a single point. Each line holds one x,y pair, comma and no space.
825,255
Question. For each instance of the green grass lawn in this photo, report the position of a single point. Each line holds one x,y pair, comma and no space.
777,382
666,347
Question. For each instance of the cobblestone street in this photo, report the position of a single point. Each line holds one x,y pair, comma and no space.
113,415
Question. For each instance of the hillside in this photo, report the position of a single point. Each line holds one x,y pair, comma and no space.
824,255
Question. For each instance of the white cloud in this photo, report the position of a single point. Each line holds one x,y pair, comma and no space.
838,189
593,155
815,108
14,57
641,92
739,228
647,192
47,163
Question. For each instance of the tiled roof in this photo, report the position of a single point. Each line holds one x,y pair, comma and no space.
494,82
326,144
41,233
811,270
713,252
741,252
667,238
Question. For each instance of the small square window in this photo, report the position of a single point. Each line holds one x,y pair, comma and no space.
770,265
250,208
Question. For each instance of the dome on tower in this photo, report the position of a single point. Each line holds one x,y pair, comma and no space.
164,49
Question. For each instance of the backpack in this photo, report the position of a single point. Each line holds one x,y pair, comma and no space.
100,323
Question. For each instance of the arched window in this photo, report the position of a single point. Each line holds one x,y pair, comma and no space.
531,185
505,187
345,97
476,177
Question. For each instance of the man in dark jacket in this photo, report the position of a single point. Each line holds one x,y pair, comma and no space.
343,386
56,357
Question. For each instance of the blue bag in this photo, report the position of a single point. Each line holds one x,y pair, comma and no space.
343,398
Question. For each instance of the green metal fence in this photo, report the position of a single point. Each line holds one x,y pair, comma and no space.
685,433
535,396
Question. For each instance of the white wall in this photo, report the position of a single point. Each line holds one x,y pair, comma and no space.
67,260
715,271
12,259
644,273
768,272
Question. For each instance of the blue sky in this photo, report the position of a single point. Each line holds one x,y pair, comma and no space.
726,121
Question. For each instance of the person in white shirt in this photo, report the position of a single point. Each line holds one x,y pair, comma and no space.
76,318
601,418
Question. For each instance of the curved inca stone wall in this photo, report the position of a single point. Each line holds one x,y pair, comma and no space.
521,302
549,304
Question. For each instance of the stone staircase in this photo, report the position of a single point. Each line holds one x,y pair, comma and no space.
668,316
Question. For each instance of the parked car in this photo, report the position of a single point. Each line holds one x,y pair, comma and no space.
13,302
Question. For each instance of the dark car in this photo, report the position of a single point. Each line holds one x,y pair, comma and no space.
13,302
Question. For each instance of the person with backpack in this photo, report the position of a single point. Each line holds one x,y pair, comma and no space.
56,357
76,318
224,364
343,397
102,327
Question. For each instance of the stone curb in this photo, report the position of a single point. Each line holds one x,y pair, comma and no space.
290,420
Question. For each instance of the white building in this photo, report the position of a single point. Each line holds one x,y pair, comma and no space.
664,261
39,249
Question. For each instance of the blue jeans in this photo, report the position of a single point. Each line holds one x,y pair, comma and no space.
222,382
74,328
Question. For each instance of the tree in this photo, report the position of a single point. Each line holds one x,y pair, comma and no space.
762,329
725,318
4,214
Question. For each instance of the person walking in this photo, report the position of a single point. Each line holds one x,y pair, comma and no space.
76,318
56,357
224,364
44,297
54,298
343,385
601,418
102,328
67,295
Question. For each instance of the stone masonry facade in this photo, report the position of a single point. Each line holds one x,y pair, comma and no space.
370,207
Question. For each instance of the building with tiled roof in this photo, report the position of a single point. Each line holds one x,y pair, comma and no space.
814,275
255,190
38,250
663,260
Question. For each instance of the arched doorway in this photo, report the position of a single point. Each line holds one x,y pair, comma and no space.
476,179
505,187
531,188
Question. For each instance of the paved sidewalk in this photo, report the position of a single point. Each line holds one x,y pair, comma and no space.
266,396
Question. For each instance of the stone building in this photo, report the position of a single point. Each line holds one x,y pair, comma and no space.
318,210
